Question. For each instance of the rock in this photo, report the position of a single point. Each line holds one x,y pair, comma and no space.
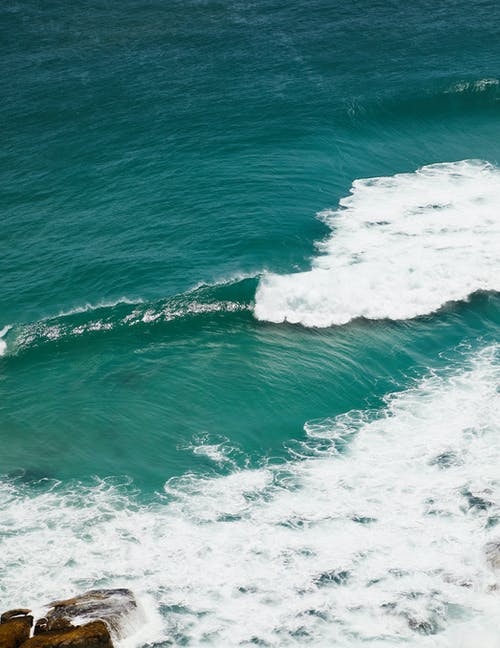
11,614
45,625
15,628
91,635
116,607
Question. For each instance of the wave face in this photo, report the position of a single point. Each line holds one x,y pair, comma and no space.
374,530
232,296
401,246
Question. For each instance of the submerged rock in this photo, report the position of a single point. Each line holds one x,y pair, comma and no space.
91,635
15,626
116,607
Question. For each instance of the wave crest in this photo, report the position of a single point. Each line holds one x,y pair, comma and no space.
125,314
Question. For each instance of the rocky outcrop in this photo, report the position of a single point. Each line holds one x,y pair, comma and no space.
85,621
15,626
90,635
117,608
18,613
44,625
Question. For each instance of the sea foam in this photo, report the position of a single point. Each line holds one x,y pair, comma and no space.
377,539
3,343
400,247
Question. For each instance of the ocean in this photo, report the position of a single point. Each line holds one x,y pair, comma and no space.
249,317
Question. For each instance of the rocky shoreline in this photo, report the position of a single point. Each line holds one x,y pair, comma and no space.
90,620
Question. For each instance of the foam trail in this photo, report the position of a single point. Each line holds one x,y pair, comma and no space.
3,343
377,540
401,246
102,305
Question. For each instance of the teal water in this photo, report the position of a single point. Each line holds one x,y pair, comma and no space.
176,314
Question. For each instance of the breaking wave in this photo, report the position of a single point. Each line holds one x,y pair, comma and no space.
124,314
374,530
401,246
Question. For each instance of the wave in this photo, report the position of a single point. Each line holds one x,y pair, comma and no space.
125,314
88,307
401,246
422,103
378,534
480,85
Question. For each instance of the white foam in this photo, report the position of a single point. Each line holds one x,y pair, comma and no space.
50,330
401,246
85,308
377,545
481,85
3,343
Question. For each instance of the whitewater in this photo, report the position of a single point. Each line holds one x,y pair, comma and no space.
373,531
401,247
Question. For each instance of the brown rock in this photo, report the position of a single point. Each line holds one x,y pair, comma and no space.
90,635
11,614
116,607
15,632
52,625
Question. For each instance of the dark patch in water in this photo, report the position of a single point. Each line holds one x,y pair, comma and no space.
477,503
255,641
388,607
174,609
316,613
446,460
127,378
432,510
300,633
334,577
361,519
398,573
32,476
247,590
295,523
424,626
413,595
229,517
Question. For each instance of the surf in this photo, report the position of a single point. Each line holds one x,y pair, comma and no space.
400,247
122,315
373,530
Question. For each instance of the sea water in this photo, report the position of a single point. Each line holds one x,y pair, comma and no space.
249,317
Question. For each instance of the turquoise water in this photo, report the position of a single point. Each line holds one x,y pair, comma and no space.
207,314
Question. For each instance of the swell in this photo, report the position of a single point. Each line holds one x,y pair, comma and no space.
92,321
459,98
